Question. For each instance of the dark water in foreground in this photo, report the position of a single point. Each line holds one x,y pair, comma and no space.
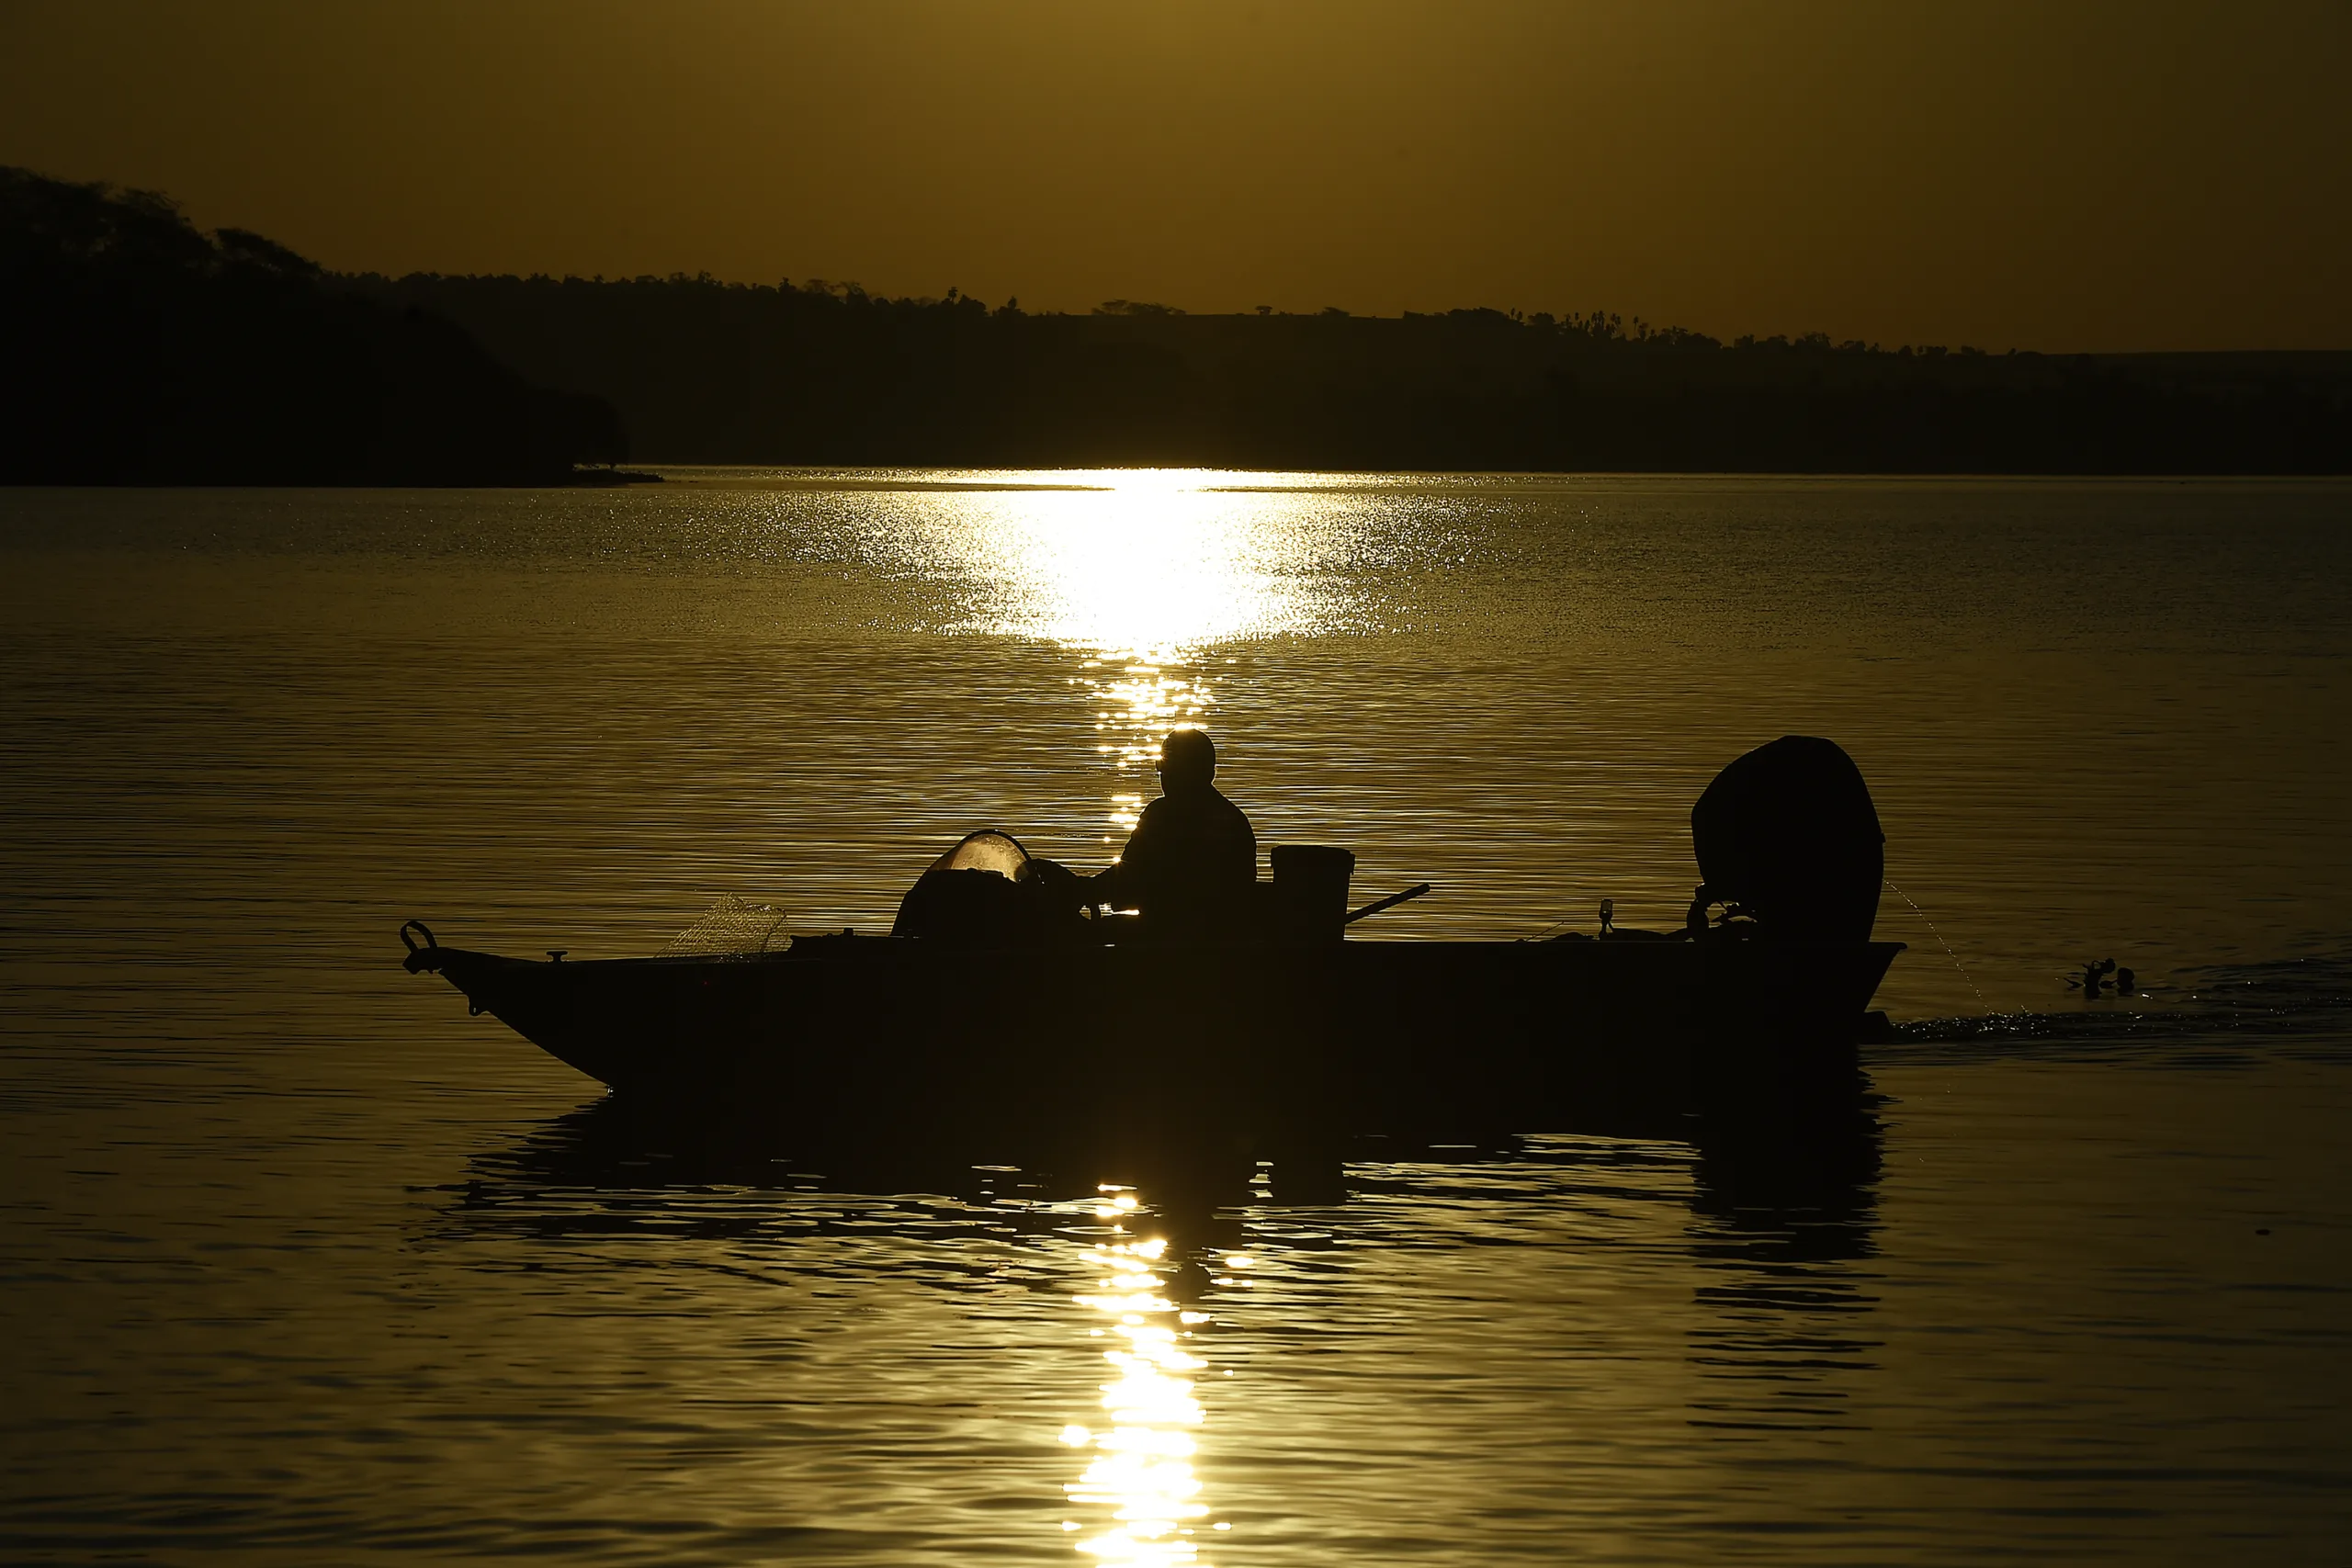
302,1265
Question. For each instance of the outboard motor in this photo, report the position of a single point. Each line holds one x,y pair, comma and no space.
1789,835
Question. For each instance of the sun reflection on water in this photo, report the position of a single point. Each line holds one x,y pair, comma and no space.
1151,567
1138,1481
1135,705
1142,576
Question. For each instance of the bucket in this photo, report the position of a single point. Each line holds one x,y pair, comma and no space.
1311,891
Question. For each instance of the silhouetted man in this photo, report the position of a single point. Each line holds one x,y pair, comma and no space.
1191,860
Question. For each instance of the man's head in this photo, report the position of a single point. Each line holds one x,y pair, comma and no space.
1187,761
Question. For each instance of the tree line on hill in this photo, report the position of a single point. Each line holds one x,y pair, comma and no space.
135,348
824,372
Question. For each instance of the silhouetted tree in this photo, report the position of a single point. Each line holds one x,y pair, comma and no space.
136,349
826,373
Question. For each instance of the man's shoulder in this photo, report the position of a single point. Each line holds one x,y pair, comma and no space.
1232,814
1208,807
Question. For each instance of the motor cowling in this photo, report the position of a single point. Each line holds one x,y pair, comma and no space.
1788,833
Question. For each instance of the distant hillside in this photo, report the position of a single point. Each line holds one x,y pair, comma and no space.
827,374
136,349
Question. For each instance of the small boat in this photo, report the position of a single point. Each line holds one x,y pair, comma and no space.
1293,1032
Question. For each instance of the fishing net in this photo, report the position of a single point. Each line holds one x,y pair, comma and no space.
731,926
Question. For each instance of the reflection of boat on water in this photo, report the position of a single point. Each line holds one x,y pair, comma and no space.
1186,1346
1756,1159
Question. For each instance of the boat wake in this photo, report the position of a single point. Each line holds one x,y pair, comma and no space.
2303,1004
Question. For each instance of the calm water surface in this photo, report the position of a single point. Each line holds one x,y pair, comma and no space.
303,1265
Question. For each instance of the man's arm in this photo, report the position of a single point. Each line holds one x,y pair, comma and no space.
1119,884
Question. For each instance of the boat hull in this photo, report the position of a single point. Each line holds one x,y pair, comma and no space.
1416,1041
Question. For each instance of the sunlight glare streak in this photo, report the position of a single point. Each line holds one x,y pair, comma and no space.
1142,576
1141,1471
1149,570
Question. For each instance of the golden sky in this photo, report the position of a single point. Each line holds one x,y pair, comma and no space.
2056,176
